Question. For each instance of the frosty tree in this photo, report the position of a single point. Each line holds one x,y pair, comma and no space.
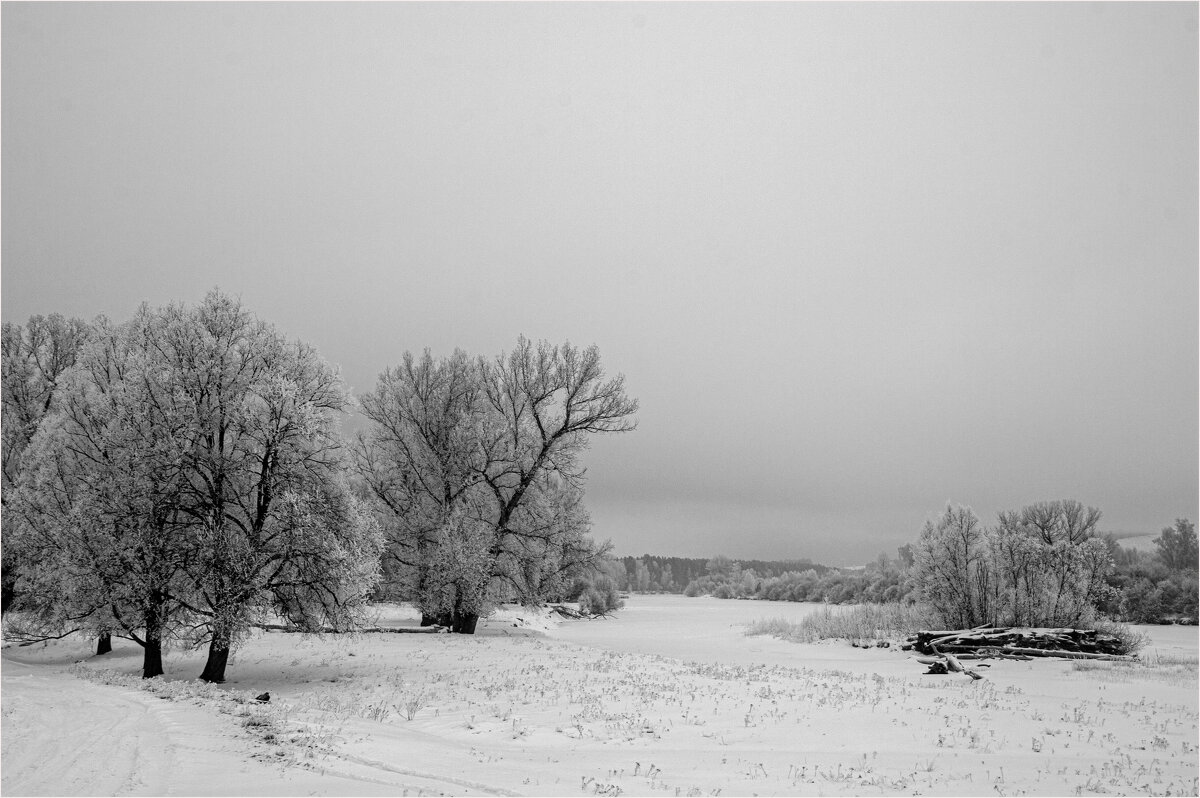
34,357
1049,564
420,461
542,402
274,522
98,497
951,570
1176,546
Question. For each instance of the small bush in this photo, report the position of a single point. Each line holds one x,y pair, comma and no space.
1132,641
776,627
596,594
413,703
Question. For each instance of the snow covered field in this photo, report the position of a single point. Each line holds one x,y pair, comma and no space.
667,698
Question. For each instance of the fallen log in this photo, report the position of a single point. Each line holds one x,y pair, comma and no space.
1048,652
981,655
953,664
946,663
994,653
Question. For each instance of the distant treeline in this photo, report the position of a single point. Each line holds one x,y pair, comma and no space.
1157,586
883,579
653,574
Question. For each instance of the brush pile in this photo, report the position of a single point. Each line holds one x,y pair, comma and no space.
1003,642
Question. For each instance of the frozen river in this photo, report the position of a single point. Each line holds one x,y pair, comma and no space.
707,629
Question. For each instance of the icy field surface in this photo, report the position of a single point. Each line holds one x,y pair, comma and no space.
666,698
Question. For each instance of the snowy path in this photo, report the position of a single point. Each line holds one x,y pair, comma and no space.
62,735
77,738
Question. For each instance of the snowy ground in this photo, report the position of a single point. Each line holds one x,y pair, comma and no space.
667,698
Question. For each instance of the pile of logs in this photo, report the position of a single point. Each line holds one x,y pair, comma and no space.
944,649
991,641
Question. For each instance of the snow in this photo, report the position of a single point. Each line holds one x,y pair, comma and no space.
66,736
667,697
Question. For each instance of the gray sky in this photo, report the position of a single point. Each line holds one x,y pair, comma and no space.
855,260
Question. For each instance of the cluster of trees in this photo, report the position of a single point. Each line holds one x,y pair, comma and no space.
1044,565
1159,586
182,476
176,477
474,464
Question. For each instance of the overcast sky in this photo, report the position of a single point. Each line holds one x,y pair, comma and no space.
855,260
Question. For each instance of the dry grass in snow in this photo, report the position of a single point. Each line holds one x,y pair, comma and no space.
883,622
599,708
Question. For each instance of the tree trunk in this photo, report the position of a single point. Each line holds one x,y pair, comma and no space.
464,623
103,643
8,591
152,650
218,658
152,659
